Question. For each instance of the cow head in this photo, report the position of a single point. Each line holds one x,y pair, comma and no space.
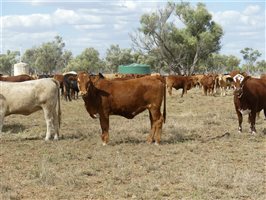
85,81
82,80
238,85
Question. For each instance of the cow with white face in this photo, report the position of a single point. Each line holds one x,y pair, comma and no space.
30,96
249,98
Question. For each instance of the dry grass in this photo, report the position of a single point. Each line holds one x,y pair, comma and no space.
201,157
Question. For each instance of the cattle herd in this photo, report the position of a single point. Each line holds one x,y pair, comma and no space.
124,95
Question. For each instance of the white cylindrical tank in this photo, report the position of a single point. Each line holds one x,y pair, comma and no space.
21,68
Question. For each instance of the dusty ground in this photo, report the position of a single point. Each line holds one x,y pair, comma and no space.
202,156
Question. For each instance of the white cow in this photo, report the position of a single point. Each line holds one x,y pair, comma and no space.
30,96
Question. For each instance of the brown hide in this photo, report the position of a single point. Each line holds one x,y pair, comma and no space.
249,98
18,78
126,98
179,82
263,76
208,82
235,72
197,79
60,79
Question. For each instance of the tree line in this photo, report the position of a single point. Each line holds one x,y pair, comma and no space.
158,42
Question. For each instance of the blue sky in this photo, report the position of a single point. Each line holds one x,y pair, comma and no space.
98,24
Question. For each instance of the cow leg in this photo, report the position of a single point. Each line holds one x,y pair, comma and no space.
56,125
252,120
156,129
184,91
48,115
1,120
240,120
205,90
169,90
2,112
150,138
158,125
104,121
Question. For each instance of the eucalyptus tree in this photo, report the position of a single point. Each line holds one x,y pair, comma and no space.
153,59
48,57
261,66
88,60
116,56
180,46
7,61
218,63
250,56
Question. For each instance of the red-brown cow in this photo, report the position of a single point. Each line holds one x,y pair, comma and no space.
208,82
179,82
126,98
263,76
60,79
18,78
249,98
235,72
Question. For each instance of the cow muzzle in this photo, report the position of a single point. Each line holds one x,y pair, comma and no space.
83,93
238,92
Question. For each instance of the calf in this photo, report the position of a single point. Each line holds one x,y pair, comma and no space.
126,98
30,96
179,82
208,83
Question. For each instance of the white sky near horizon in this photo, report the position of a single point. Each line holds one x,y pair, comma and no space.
98,24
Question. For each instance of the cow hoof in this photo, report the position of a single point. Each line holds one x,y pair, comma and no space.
156,143
104,144
46,139
56,138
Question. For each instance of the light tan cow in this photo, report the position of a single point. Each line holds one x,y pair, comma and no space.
30,96
223,82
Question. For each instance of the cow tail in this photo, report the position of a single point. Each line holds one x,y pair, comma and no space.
58,102
164,102
59,107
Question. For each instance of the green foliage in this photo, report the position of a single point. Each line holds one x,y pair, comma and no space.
250,56
217,63
153,59
49,57
261,66
116,56
180,48
7,61
88,60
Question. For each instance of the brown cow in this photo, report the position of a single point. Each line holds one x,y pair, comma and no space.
60,79
208,82
126,98
179,82
235,72
263,76
249,98
197,79
18,78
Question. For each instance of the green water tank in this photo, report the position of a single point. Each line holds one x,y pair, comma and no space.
134,69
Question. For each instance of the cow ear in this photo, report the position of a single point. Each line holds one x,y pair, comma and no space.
100,75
